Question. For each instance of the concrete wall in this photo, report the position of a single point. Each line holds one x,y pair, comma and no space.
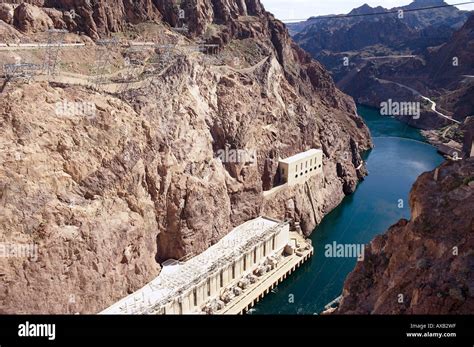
300,170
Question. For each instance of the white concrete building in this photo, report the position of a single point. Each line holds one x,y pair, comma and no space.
186,288
300,167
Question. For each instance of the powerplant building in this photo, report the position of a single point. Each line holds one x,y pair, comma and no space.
210,282
300,167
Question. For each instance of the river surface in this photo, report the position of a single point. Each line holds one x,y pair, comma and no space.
400,155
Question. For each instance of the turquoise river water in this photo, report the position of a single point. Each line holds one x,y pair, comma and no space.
400,155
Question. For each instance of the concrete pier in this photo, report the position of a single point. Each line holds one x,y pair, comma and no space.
254,293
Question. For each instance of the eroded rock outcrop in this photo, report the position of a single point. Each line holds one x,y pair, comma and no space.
30,18
423,265
6,13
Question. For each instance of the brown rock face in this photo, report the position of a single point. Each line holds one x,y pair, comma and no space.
56,17
6,13
30,18
424,265
89,247
105,196
95,18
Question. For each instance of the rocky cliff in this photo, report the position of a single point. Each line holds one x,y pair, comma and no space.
107,196
366,26
442,74
434,46
423,265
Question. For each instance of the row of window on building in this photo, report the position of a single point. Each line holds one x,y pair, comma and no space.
304,169
233,274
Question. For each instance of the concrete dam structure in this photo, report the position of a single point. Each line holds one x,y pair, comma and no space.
228,278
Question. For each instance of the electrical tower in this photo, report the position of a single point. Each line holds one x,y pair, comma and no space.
134,63
53,47
20,71
105,49
164,54
209,51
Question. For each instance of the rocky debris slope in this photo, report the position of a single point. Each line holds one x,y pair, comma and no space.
423,265
106,195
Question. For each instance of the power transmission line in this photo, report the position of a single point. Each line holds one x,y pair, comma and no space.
342,16
55,43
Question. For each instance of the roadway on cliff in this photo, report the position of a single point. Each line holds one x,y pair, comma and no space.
417,93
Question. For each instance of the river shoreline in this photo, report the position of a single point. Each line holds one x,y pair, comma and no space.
399,156
446,139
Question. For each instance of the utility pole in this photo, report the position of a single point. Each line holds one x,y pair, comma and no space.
133,63
53,47
104,57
